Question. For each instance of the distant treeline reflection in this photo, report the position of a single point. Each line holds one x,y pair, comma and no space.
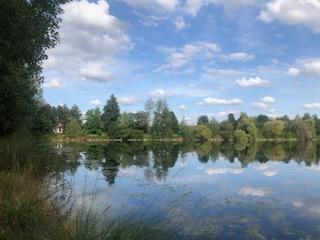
157,159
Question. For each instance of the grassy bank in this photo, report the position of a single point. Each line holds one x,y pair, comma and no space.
147,138
27,212
29,208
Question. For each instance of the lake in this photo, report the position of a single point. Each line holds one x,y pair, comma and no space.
201,191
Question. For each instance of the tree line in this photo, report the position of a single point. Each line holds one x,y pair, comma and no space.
29,28
158,121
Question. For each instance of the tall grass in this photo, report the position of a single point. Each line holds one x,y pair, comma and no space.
26,212
29,211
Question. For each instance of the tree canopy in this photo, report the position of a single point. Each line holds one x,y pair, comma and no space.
27,30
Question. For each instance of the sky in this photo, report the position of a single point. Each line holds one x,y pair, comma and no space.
204,56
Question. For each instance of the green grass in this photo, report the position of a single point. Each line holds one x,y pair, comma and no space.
29,211
26,212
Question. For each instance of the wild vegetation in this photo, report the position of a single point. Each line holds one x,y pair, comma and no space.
158,121
27,209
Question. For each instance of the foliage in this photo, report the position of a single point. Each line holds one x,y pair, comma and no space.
247,125
111,115
202,133
273,129
27,30
240,137
226,130
185,131
165,123
75,113
203,120
149,108
44,119
214,127
93,124
305,129
73,128
232,120
137,121
128,133
63,114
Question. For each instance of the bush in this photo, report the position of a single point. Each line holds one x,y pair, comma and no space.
241,137
129,133
273,129
73,128
202,133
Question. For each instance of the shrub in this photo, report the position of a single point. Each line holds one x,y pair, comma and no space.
202,133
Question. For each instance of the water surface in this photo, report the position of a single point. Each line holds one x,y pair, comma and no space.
203,191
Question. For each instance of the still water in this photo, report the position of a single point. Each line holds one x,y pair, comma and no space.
202,191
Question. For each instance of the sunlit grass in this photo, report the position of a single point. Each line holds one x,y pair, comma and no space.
26,212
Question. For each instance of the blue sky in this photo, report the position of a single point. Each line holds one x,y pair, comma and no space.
204,56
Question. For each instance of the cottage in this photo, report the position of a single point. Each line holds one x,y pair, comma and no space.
59,128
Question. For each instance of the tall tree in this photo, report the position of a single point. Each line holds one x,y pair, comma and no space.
44,119
76,114
305,129
273,129
185,131
203,120
174,123
27,30
226,130
111,115
232,120
149,108
214,127
93,124
162,124
73,128
141,121
247,125
63,114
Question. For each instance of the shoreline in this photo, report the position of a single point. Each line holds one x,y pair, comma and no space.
104,139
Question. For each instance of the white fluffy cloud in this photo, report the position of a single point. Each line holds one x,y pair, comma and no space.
220,101
270,172
268,99
252,82
293,12
308,66
180,23
95,72
315,105
89,37
216,171
240,56
192,7
182,107
154,5
52,83
260,105
263,104
312,66
266,169
255,192
128,100
188,53
95,102
158,93
293,71
224,114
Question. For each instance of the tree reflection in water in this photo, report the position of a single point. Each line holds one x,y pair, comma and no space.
158,158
